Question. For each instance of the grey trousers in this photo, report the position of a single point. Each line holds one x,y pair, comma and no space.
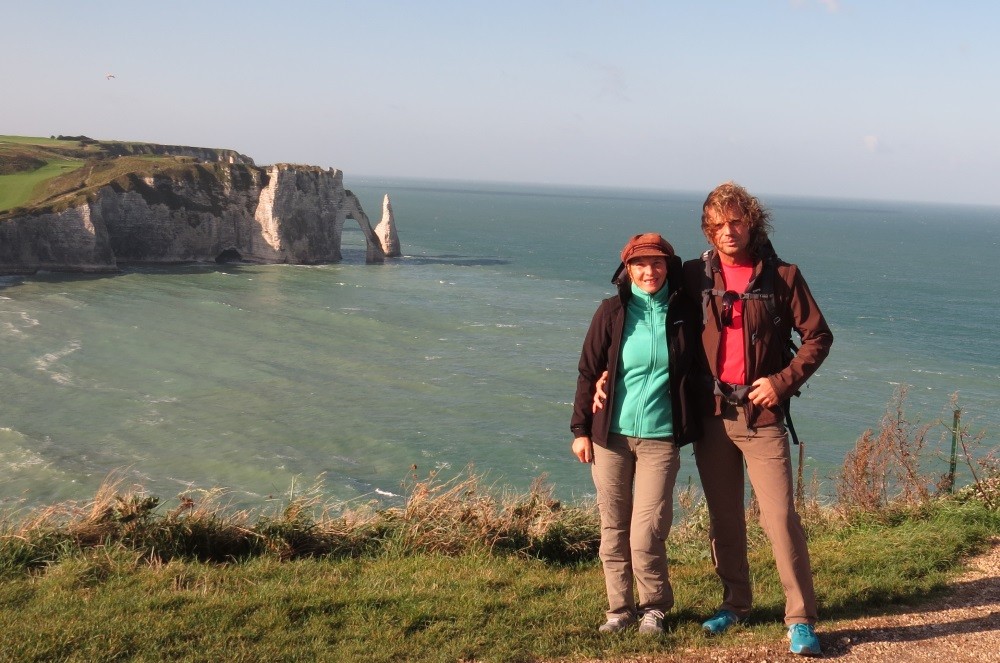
635,479
721,454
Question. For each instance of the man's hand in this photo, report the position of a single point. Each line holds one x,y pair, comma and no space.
599,394
763,393
583,449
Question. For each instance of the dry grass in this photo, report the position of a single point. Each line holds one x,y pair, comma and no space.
450,517
981,459
885,474
882,478
885,466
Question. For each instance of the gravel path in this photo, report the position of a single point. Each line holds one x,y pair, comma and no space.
963,627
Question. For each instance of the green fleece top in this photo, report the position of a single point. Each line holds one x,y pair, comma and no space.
642,386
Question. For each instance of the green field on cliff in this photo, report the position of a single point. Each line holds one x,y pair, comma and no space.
39,175
17,189
27,163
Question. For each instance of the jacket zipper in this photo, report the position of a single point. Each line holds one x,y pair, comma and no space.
643,395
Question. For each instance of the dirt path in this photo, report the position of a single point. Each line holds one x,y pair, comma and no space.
963,627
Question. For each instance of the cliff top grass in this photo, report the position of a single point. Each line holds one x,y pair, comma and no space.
458,573
463,572
39,175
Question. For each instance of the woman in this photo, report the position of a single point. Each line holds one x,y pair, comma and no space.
647,338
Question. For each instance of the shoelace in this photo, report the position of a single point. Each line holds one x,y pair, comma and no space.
622,620
799,630
723,619
652,617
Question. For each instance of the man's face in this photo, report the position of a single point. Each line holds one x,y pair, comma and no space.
729,233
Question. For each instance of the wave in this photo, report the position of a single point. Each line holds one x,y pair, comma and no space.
25,321
226,304
46,361
18,455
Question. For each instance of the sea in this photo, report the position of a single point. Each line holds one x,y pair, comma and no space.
354,380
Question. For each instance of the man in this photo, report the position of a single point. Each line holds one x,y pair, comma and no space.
751,302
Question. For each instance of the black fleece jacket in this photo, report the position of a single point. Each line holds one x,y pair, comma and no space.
602,347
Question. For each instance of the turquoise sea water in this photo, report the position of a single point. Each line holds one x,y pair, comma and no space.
255,378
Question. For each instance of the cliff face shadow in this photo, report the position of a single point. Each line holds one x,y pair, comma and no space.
11,281
453,259
75,277
53,277
229,263
352,256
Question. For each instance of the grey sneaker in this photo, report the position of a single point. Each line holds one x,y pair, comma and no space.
652,622
617,624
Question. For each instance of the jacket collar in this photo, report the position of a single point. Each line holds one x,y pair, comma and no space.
764,254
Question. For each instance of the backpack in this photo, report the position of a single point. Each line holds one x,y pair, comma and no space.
763,291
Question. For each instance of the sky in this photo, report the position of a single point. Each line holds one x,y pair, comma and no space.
864,99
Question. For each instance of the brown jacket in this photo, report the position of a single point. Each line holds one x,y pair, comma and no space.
766,335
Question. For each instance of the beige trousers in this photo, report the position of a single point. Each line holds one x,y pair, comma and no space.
721,454
635,479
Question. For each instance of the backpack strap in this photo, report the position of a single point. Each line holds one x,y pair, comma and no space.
707,292
787,408
765,282
764,291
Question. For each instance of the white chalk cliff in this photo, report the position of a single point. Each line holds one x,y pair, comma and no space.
211,212
386,231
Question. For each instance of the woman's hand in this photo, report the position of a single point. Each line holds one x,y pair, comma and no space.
583,449
599,394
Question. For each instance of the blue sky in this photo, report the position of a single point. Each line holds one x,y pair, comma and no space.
894,100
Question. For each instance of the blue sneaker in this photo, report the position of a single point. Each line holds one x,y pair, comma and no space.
804,640
720,622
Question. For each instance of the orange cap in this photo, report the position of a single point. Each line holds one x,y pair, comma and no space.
647,244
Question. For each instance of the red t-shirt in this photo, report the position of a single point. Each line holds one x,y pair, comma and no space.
732,357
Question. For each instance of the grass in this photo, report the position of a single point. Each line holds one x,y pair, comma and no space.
416,607
17,189
425,607
31,140
41,175
27,163
458,573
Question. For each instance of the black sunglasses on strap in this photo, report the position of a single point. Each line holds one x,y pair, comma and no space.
729,299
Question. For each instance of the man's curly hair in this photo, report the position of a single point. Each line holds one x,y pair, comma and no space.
731,195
